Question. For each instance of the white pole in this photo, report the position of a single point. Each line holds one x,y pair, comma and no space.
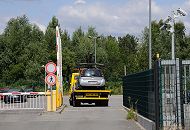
59,64
173,38
45,87
150,33
95,50
125,70
173,46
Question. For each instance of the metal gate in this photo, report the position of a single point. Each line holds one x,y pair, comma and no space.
174,86
186,92
17,101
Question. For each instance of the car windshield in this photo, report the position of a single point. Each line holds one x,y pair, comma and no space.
91,72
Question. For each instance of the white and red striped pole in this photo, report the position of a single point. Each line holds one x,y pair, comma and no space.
59,85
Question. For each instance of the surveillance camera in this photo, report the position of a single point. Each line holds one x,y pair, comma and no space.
181,12
167,20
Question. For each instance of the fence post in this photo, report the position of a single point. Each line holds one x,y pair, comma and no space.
179,94
157,97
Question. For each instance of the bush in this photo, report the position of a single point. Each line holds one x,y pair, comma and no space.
2,85
132,113
115,87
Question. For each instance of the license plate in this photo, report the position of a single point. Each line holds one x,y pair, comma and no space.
92,94
93,82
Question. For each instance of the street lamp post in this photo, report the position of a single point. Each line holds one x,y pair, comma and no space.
171,20
173,38
43,66
95,39
95,51
150,42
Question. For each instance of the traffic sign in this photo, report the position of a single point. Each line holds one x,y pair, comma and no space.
51,67
50,79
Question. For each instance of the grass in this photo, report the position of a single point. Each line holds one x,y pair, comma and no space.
132,113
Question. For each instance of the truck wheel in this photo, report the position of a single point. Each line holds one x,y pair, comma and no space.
98,103
76,103
105,103
70,102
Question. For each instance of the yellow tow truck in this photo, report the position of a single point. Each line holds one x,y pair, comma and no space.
88,86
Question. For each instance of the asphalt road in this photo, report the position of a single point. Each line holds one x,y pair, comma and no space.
87,117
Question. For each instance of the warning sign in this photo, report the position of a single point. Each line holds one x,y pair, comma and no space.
51,79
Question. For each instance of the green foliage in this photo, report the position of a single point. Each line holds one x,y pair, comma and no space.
50,39
24,48
161,41
114,66
132,113
115,87
128,49
22,51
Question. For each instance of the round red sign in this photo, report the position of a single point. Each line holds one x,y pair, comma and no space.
51,67
50,79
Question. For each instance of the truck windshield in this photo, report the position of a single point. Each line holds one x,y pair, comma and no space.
91,72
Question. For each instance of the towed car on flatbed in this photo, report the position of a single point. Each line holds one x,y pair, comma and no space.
88,86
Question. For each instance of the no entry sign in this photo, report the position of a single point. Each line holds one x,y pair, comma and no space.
50,79
51,67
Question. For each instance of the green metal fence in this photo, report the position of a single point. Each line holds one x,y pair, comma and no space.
138,92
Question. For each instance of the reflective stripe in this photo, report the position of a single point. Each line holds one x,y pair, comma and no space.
80,98
89,91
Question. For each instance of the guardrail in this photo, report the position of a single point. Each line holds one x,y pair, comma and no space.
23,100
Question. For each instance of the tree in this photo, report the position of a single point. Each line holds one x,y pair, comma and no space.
22,51
24,48
65,39
181,41
16,37
50,39
114,66
128,48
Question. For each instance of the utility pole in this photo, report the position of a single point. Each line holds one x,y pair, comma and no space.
171,21
150,34
95,40
95,50
173,36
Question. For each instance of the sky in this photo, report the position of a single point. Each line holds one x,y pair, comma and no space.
109,17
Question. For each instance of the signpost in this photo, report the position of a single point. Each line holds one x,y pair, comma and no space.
50,79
